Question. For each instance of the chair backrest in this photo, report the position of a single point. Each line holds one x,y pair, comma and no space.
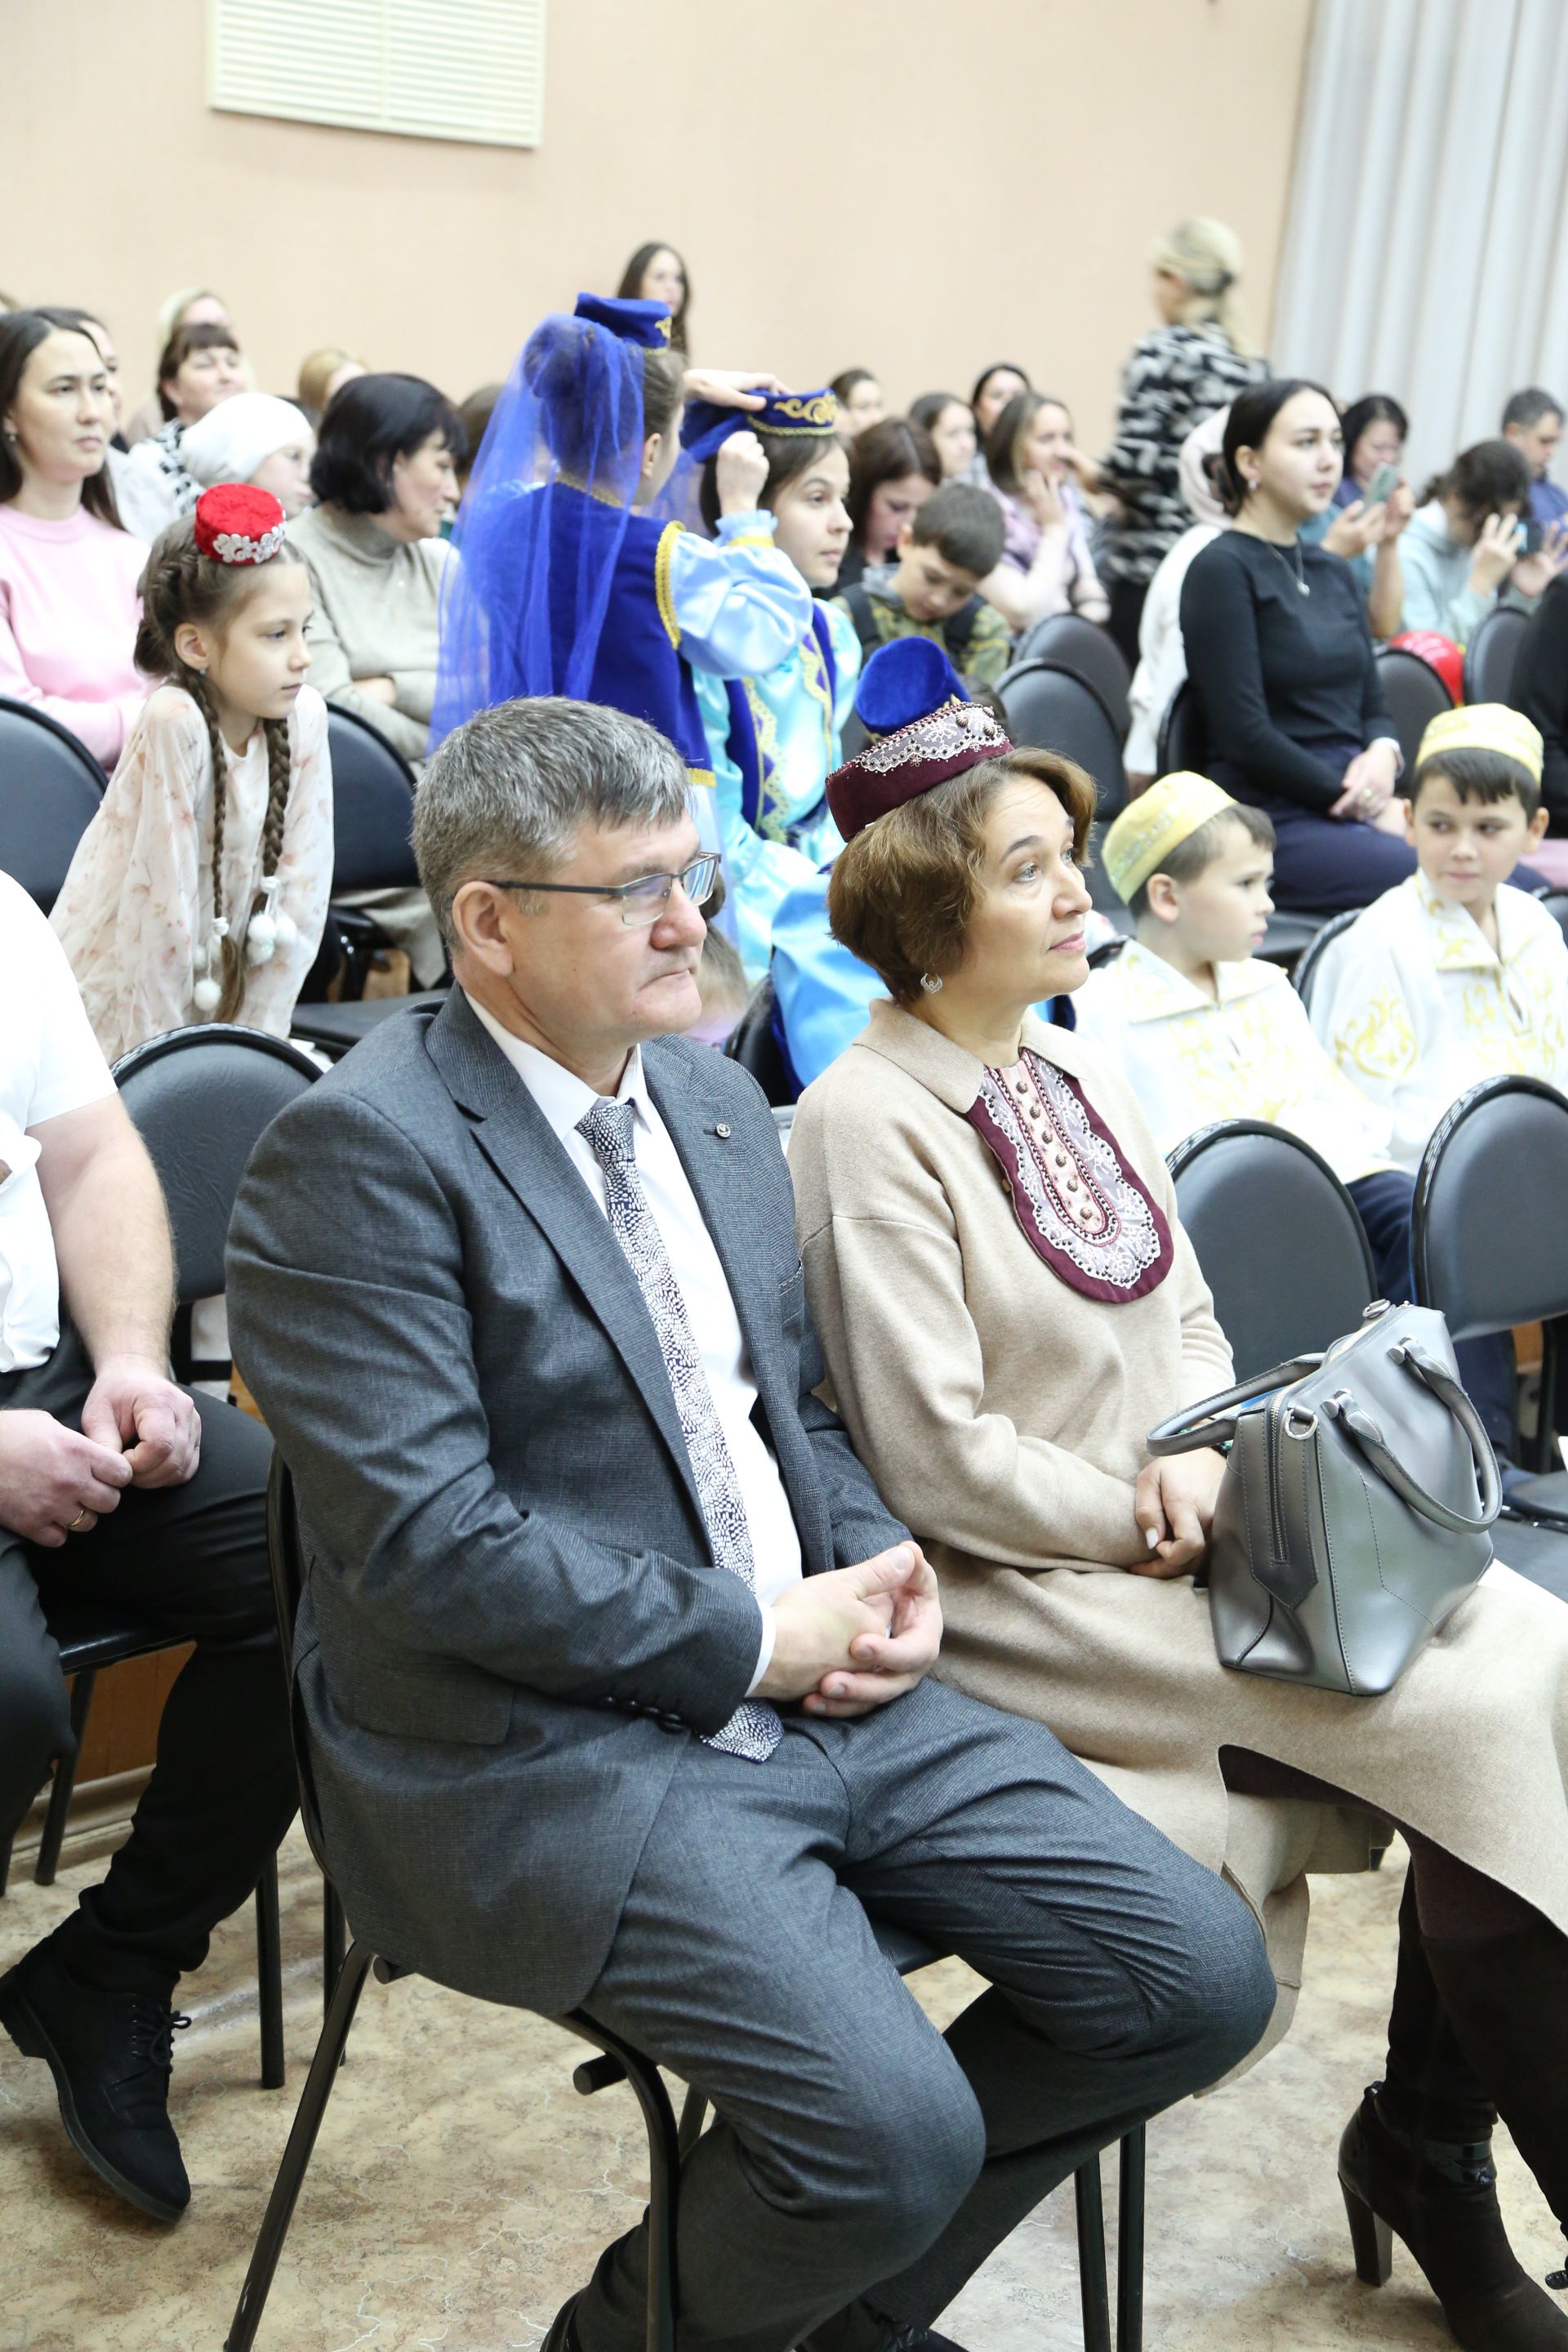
1050,709
373,807
287,1567
1415,694
1278,1238
753,1042
1089,652
201,1098
1317,954
1556,905
1492,653
1183,739
50,788
1487,1228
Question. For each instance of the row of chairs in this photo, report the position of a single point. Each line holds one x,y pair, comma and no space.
51,786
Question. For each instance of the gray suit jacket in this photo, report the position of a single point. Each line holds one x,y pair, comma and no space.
512,1617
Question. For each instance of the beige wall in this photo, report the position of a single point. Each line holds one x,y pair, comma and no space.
916,186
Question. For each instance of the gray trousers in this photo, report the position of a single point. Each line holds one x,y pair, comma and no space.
856,2151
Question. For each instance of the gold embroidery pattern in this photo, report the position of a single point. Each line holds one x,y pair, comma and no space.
663,557
817,415
813,677
1378,1039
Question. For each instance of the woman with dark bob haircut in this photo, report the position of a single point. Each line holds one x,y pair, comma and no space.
386,478
1007,1304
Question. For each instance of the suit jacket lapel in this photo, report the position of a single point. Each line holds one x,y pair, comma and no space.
517,1140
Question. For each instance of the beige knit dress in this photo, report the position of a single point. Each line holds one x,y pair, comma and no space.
1004,1415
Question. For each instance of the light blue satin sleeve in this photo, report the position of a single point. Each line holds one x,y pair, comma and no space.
740,605
825,994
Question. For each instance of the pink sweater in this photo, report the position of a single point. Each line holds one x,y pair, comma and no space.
68,611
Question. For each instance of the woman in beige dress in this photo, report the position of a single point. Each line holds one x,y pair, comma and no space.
1007,1304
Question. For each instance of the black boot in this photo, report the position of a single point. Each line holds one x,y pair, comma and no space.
1440,2198
110,2054
1508,1999
862,2328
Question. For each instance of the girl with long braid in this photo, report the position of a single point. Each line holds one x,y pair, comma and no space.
199,891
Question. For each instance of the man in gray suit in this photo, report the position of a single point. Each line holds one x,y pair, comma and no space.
614,1661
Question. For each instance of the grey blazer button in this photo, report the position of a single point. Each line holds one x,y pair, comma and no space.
722,1132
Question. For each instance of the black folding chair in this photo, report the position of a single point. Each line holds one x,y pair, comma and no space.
753,1042
1053,709
1415,694
373,816
200,1098
1308,972
1492,653
1183,743
50,788
1278,1238
1089,652
618,2061
1487,1239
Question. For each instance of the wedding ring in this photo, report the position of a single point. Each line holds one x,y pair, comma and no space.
72,1525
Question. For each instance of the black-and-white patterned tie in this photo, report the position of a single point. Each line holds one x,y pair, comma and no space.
754,1728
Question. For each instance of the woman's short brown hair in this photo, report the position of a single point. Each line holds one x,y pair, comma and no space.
902,892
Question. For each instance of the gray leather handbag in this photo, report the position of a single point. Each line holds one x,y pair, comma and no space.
1352,1515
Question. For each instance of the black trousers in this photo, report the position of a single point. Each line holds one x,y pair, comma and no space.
193,1559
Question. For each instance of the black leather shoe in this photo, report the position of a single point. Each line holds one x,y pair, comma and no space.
1440,2198
563,2335
862,2328
110,2055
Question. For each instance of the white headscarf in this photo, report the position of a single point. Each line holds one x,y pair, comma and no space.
240,434
1205,440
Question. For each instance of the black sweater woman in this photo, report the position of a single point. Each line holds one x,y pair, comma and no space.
1281,662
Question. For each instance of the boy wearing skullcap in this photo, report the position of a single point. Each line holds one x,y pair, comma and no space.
1454,975
1201,1027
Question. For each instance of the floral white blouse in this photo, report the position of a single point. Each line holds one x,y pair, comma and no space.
137,905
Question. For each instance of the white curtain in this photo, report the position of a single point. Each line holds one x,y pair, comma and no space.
1426,243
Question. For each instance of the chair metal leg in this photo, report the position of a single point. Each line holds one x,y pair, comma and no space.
296,2156
64,1782
334,1942
1129,2243
693,2116
622,2062
1092,2286
269,1976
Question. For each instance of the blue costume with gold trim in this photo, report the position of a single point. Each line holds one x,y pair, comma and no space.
563,585
774,735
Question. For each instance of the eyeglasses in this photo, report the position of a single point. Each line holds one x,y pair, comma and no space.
643,902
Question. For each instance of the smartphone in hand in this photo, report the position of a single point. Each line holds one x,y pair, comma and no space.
1383,484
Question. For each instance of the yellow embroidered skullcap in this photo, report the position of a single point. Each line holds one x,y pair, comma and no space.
1484,727
1149,827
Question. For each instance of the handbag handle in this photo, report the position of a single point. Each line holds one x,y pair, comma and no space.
1366,1435
1213,1421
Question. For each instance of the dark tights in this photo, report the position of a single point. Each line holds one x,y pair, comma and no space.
1430,2087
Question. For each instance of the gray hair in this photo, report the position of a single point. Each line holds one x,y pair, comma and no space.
506,791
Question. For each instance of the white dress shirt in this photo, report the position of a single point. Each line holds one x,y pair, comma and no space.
49,1064
710,1310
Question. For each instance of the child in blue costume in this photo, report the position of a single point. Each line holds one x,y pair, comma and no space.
823,995
774,735
566,582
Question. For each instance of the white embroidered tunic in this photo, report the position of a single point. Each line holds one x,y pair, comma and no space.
136,908
1416,1006
1248,1053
